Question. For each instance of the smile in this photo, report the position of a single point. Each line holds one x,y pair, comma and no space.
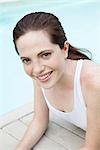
45,77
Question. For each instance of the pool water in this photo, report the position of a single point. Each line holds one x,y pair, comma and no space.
81,21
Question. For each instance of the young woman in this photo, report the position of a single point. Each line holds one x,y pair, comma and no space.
65,80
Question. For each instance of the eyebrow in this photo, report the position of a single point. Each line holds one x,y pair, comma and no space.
49,50
23,58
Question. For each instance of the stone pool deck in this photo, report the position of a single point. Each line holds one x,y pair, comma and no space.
60,134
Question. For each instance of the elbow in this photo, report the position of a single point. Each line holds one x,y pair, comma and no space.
41,121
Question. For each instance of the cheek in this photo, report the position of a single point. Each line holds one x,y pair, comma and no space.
28,70
58,64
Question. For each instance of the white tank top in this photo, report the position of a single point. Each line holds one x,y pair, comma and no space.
78,116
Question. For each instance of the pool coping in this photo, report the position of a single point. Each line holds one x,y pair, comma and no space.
16,114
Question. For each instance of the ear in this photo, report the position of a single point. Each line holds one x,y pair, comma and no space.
65,49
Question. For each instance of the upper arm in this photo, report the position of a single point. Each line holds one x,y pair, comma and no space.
40,107
93,113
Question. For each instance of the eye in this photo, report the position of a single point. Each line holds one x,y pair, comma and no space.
26,61
46,55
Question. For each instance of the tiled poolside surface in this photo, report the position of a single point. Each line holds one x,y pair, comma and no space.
60,134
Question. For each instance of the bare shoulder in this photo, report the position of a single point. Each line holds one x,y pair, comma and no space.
91,89
91,81
91,74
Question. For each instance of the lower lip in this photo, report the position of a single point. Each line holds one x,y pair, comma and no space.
46,79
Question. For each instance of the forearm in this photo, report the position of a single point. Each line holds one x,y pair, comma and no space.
34,132
89,147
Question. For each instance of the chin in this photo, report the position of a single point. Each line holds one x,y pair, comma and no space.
48,85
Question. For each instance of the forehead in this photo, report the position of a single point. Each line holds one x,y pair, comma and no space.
34,40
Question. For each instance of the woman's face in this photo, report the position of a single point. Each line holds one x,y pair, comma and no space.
42,60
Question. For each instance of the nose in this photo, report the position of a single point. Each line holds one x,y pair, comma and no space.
38,68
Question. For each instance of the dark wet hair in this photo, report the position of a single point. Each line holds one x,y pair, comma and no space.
49,23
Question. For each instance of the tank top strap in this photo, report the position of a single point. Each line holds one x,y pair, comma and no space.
78,70
78,97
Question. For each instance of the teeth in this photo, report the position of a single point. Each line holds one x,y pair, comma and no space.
44,77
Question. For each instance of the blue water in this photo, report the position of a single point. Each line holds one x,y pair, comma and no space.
81,21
